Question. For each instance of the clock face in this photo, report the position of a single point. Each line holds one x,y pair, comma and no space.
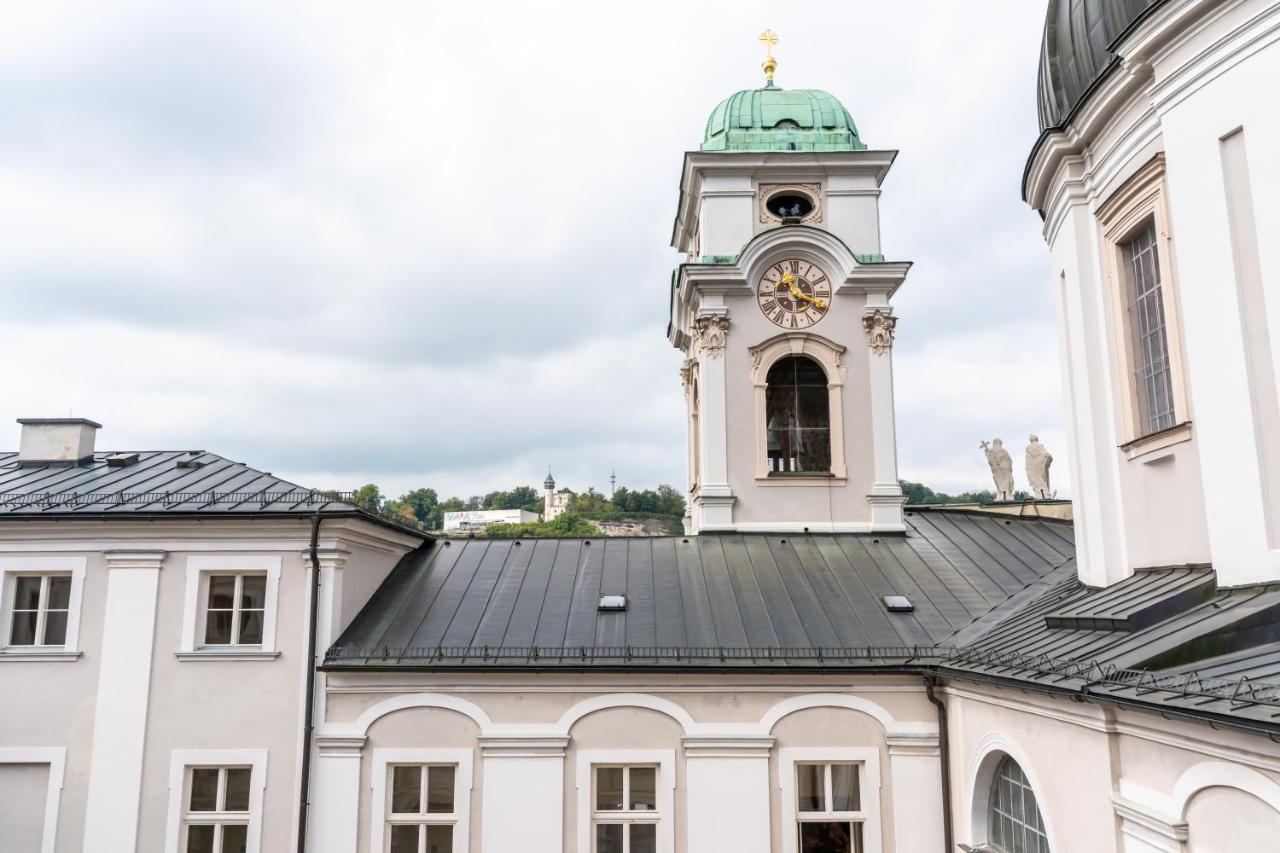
794,294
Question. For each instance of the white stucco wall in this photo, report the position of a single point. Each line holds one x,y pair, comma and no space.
161,700
725,736
1194,74
1109,779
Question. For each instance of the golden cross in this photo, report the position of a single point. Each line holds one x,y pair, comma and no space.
769,38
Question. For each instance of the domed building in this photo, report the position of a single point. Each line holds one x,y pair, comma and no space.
812,667
773,119
1153,175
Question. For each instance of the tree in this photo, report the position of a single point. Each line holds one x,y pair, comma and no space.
521,497
670,502
423,502
370,497
920,494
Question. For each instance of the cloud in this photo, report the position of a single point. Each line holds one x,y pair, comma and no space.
426,244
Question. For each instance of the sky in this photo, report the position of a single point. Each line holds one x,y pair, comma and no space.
427,244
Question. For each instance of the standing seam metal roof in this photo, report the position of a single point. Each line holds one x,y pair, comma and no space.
996,599
170,482
790,597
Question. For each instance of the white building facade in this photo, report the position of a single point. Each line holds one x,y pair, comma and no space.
201,657
155,653
1155,190
468,520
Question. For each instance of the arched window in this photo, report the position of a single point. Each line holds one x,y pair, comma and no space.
1014,824
797,417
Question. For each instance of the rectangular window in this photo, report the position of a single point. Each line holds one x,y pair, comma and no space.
1148,335
234,609
829,812
624,809
216,816
41,604
422,809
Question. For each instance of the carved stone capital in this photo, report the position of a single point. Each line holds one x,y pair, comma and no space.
879,326
687,376
709,334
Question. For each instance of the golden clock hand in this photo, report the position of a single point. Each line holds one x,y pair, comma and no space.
790,281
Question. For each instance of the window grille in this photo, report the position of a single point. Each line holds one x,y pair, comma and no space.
1149,342
1013,819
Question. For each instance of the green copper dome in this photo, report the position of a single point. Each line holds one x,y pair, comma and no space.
772,119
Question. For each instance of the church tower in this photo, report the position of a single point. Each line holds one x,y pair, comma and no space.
782,310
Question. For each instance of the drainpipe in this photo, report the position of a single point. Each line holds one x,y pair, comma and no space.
308,722
944,760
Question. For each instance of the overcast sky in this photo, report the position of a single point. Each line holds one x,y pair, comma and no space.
427,243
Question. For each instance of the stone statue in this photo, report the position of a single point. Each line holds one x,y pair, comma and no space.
1038,461
1001,468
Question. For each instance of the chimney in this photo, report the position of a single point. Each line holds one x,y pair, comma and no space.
56,440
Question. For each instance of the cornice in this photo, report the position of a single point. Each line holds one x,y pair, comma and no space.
777,164
1139,53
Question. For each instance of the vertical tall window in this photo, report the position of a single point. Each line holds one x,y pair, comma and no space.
829,810
1014,824
797,417
40,606
216,819
1148,335
234,609
624,814
422,811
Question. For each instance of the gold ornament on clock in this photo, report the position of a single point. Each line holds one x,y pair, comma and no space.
794,294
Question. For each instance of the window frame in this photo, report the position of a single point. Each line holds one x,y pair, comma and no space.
868,792
664,789
625,817
13,567
195,611
828,814
380,816
789,405
55,757
218,818
831,357
183,761
1138,203
993,811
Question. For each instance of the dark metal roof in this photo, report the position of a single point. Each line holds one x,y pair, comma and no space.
1077,50
995,599
162,482
1162,637
715,600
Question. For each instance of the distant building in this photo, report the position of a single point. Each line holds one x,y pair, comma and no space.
479,519
554,503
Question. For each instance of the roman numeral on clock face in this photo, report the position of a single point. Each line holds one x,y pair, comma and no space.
793,304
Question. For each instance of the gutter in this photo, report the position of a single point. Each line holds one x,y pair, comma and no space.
308,716
944,762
